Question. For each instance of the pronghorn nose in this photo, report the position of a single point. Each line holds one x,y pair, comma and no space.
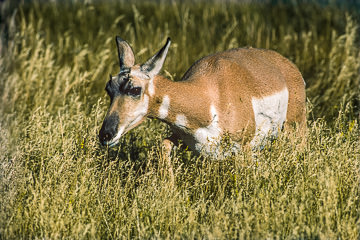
109,128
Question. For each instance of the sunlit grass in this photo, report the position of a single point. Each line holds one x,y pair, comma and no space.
56,181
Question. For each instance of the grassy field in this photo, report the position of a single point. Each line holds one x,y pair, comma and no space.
57,182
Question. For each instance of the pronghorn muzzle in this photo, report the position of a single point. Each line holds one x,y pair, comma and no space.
109,128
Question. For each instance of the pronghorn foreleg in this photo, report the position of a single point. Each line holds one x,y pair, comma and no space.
168,145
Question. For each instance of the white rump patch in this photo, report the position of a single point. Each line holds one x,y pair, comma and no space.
164,107
181,121
270,115
208,136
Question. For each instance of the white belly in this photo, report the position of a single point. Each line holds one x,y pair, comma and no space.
270,115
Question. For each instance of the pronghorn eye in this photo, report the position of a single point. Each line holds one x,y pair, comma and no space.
136,91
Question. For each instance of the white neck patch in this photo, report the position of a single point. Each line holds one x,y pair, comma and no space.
164,107
207,136
181,121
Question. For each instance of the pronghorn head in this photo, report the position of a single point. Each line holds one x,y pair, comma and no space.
129,92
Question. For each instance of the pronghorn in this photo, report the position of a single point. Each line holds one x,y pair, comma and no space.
246,93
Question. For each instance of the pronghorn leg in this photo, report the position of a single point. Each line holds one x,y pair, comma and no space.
168,145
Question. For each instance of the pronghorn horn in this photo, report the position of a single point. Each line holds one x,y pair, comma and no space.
126,54
110,76
155,63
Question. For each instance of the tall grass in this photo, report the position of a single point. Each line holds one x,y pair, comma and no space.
57,182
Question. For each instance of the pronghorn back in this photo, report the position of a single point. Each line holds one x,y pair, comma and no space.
235,77
247,93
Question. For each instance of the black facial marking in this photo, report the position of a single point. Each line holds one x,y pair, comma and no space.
109,128
135,91
125,71
122,85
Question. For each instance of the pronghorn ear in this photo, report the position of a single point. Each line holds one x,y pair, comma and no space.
126,54
153,66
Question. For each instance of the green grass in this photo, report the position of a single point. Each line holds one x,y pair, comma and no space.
56,181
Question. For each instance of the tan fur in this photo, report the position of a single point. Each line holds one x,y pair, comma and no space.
240,92
229,80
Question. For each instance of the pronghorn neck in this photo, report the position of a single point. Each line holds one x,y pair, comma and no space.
179,104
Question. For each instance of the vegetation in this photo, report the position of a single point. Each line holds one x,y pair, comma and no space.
56,181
